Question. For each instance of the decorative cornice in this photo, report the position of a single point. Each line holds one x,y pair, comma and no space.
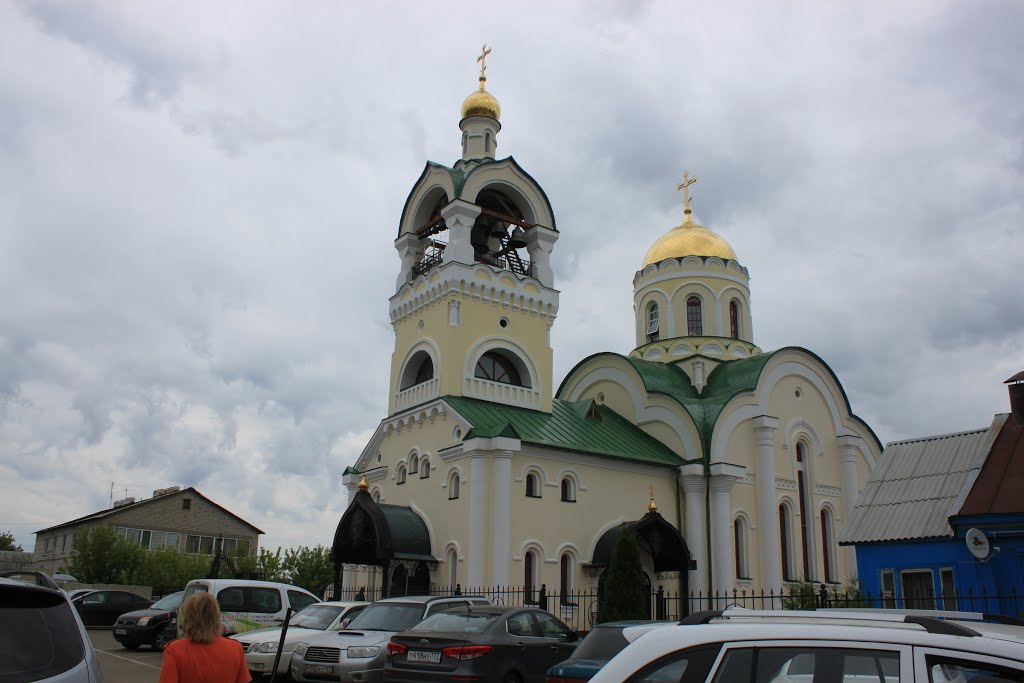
823,490
458,279
785,484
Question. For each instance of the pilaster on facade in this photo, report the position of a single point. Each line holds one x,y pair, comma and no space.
849,446
720,483
539,243
765,428
694,484
408,246
479,518
501,511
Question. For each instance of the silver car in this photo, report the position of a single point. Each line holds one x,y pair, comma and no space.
358,654
42,638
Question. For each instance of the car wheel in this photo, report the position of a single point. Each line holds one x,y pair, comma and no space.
160,640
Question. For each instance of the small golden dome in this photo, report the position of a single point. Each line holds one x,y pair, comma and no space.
688,239
363,485
481,103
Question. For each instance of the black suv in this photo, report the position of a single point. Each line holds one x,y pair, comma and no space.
148,626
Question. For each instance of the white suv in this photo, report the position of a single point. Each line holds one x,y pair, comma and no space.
824,646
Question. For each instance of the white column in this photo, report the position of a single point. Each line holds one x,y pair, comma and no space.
408,246
459,216
539,243
477,521
693,481
767,510
723,476
848,446
501,516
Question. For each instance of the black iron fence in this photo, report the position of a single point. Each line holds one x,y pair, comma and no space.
582,609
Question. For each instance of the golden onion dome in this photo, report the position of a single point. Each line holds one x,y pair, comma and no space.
688,239
481,103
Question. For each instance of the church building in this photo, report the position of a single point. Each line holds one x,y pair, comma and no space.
735,467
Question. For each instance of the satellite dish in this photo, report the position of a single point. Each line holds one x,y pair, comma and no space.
977,543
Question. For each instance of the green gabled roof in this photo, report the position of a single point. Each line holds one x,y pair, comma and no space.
567,427
724,383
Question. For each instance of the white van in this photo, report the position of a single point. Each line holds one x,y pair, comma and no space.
246,605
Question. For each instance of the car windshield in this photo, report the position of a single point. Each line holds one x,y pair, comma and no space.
460,622
601,644
195,588
39,637
171,602
387,616
316,616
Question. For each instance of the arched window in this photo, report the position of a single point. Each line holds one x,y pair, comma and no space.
400,475
694,324
652,323
487,142
565,574
420,369
806,529
734,319
828,545
453,568
425,469
376,495
740,541
453,486
414,465
465,140
532,485
568,490
786,543
529,575
497,368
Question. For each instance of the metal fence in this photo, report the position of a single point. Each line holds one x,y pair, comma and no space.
582,609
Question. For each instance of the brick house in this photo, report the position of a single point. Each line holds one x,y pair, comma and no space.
174,517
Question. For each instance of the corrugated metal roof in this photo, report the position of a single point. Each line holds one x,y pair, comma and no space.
568,426
916,486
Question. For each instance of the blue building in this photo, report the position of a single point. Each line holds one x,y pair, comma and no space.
940,523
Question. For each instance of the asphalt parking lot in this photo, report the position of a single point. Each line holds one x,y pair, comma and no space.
125,666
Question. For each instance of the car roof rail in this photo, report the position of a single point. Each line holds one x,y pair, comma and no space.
702,617
946,623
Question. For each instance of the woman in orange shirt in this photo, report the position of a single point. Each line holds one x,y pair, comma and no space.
203,656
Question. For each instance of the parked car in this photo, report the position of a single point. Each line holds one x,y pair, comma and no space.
75,592
42,638
509,644
359,652
147,626
103,607
262,644
874,646
248,605
602,643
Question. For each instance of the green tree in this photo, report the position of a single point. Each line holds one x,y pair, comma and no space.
100,556
7,542
624,596
309,568
269,566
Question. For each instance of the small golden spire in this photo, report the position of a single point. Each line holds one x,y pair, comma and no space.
652,507
483,64
685,187
363,485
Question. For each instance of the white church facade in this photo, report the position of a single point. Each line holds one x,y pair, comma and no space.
734,466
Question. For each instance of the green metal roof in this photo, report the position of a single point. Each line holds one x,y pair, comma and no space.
410,539
583,427
724,383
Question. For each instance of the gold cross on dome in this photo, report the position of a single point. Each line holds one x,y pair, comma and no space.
685,187
483,59
651,489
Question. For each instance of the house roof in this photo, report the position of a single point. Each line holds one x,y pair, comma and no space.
142,503
998,487
582,427
917,485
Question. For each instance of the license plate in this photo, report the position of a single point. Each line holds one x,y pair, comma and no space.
421,656
121,631
319,669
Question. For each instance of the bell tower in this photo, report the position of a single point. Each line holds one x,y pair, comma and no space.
475,297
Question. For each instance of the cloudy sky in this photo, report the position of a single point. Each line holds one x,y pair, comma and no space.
198,202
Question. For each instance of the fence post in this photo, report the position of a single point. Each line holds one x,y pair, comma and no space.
823,596
659,604
543,599
458,589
